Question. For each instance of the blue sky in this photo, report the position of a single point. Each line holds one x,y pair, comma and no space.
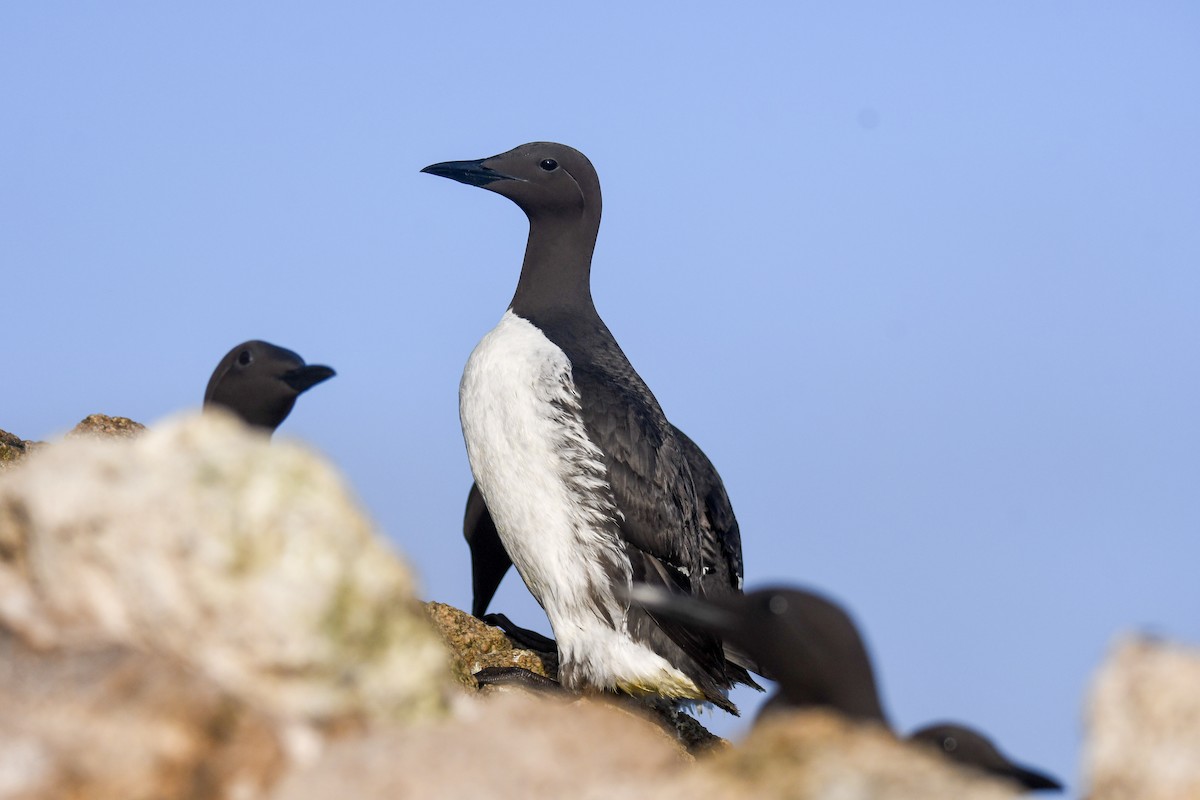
922,281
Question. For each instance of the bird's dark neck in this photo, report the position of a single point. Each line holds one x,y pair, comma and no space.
865,707
851,691
556,274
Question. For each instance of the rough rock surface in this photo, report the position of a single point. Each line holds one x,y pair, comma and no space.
508,745
202,557
108,722
815,755
104,426
1144,724
195,612
13,448
520,746
475,645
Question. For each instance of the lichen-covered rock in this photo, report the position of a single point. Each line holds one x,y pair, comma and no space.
1143,738
244,560
104,426
13,448
196,612
475,645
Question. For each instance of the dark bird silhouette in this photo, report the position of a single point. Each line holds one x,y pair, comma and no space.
972,748
489,560
587,483
260,382
810,645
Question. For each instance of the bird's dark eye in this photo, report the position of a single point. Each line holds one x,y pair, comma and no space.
549,164
949,744
245,358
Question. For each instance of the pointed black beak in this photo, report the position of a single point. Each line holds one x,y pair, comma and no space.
472,173
1032,779
304,378
685,610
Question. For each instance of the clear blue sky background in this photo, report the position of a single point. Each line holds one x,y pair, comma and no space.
923,281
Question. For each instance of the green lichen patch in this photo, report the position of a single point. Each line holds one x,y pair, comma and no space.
475,645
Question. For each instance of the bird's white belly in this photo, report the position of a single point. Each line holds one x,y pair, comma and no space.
547,489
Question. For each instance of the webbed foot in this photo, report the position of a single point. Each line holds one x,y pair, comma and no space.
521,678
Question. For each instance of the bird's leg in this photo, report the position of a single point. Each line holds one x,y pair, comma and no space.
522,637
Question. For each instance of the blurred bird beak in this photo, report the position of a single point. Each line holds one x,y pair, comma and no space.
302,379
685,610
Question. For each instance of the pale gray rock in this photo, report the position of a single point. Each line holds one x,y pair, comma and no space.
511,744
1143,736
818,755
113,723
243,566
196,612
514,745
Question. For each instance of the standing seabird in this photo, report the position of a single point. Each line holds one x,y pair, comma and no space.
813,649
586,481
260,382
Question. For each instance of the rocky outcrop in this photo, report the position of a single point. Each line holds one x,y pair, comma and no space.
107,721
1144,724
474,645
520,746
196,587
193,611
816,755
13,448
509,745
106,427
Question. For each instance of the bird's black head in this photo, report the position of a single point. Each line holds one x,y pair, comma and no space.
805,642
970,747
547,180
812,648
260,382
